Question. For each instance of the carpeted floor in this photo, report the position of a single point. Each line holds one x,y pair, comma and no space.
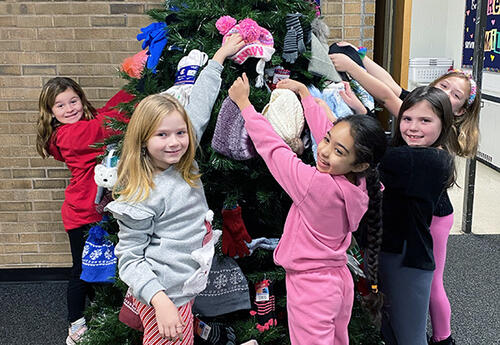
34,313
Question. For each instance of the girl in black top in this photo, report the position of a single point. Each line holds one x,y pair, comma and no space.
415,172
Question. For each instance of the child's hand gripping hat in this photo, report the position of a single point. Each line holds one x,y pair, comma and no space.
259,42
230,136
285,114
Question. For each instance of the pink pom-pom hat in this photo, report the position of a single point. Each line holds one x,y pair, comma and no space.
259,42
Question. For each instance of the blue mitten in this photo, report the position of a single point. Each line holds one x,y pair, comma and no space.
155,37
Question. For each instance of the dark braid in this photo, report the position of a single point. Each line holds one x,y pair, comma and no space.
372,221
369,145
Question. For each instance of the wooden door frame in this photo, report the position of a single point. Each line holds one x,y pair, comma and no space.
392,37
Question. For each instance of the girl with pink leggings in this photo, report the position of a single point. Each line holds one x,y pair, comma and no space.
439,305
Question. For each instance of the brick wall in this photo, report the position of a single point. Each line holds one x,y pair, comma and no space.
85,40
351,20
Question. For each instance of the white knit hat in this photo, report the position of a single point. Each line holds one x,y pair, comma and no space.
286,116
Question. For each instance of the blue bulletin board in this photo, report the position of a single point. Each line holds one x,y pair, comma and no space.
492,38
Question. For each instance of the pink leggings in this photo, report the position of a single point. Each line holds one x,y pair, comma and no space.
439,305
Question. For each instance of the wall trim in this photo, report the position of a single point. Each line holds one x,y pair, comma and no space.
34,274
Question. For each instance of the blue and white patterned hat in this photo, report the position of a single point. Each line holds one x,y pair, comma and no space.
98,257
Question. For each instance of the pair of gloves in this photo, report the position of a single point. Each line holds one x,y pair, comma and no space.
155,38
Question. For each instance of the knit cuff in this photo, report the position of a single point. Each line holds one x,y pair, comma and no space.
150,289
215,65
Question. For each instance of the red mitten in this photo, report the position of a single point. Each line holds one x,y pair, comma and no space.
234,233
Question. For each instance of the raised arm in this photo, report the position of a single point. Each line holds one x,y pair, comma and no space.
375,87
315,114
289,171
377,71
207,86
381,74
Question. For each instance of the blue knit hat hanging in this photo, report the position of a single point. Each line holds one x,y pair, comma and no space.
98,257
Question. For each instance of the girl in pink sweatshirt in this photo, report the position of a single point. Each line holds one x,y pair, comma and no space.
329,202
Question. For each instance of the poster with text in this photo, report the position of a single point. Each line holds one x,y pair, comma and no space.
491,39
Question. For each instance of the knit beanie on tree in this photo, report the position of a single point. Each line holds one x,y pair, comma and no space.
230,136
320,64
227,289
98,257
258,42
285,114
134,65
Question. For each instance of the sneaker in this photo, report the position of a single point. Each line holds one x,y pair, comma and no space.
74,338
447,341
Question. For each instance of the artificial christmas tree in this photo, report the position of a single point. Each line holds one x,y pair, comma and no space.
261,203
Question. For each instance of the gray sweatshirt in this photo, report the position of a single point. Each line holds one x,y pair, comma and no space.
158,235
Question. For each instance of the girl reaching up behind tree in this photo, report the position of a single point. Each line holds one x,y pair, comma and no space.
463,94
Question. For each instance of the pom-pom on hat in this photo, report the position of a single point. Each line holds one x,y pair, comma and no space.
259,42
286,116
230,136
133,65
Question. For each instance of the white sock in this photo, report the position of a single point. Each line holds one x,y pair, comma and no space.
77,324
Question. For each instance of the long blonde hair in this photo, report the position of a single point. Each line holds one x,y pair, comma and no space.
47,123
464,138
135,169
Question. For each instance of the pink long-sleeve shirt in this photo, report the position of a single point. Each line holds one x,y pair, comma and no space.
326,208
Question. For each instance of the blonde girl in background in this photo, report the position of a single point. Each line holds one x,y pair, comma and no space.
68,124
165,244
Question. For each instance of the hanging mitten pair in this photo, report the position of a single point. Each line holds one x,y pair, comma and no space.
294,38
234,233
264,307
155,38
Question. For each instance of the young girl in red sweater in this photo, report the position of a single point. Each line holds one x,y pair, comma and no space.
67,126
